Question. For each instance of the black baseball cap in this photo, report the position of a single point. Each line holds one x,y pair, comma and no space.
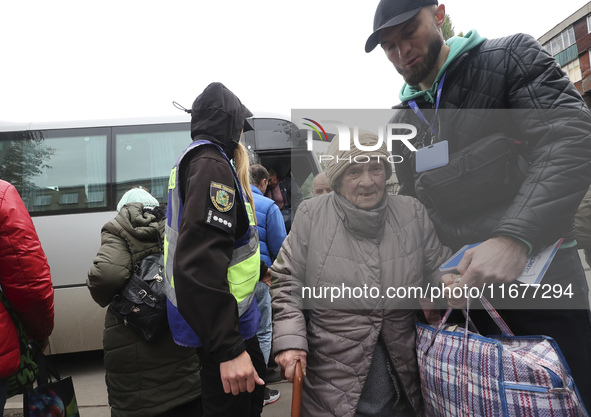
391,13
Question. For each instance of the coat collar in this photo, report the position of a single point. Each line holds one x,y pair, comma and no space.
367,224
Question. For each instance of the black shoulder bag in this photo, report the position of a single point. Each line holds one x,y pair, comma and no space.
487,172
141,303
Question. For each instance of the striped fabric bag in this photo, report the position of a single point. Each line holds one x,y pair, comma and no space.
464,374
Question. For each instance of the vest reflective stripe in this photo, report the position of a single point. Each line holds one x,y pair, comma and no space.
243,274
244,269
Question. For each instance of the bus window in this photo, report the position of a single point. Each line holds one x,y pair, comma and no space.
145,157
72,174
56,171
271,134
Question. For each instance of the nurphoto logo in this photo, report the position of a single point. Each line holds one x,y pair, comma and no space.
344,138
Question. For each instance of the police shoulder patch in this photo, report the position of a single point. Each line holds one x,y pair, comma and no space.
221,196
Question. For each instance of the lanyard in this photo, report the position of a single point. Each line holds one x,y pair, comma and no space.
415,108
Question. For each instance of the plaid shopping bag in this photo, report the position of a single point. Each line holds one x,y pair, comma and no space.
465,374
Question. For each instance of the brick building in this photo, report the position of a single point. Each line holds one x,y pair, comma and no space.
570,44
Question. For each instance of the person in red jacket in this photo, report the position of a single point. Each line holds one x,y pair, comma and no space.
25,281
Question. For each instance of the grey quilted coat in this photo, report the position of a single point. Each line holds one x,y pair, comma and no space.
332,243
143,379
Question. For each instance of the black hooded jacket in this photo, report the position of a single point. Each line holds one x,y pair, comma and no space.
218,115
205,247
514,87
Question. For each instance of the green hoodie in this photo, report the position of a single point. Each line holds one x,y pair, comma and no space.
458,46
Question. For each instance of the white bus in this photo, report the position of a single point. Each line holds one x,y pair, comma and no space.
71,175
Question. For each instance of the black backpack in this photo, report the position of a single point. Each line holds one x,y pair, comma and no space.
141,303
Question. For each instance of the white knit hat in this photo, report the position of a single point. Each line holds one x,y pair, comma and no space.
341,159
138,195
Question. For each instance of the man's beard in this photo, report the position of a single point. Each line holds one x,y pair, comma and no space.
420,71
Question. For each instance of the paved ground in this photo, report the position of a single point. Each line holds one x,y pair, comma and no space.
88,374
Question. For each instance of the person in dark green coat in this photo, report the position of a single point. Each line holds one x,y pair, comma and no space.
148,379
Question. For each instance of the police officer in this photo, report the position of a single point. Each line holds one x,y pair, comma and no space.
213,259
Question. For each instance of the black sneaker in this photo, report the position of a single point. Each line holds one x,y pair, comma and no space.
271,396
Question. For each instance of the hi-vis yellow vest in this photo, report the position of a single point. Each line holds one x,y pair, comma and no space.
243,271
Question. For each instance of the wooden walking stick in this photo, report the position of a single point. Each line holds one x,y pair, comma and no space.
296,396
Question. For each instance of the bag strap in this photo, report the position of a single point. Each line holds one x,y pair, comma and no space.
494,314
496,317
436,332
464,392
160,245
47,369
470,324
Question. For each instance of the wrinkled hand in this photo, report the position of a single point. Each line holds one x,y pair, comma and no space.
500,259
238,375
287,359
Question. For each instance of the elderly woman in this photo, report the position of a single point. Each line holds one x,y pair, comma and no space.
334,284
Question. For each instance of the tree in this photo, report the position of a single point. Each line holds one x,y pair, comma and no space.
25,156
447,29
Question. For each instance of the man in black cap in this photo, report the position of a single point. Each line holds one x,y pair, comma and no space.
463,95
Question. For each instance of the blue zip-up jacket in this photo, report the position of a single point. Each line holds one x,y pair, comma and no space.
270,224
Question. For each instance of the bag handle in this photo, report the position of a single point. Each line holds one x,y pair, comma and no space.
470,324
494,315
160,244
439,327
464,366
47,369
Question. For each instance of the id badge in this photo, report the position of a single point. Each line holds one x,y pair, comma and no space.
432,156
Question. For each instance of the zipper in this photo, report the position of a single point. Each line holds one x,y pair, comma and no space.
557,386
527,387
556,381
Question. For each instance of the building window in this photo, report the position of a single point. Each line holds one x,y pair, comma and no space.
55,169
562,41
144,156
589,24
573,69
96,196
42,200
70,198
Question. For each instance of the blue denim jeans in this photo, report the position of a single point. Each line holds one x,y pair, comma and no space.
265,332
3,395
